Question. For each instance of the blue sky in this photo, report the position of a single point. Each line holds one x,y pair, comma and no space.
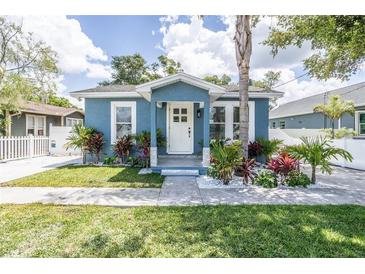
85,45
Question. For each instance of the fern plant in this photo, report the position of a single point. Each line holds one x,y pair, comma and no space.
269,147
317,151
79,139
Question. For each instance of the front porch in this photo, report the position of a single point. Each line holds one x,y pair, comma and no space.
181,163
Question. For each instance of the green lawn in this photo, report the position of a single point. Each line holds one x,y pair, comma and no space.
214,231
90,176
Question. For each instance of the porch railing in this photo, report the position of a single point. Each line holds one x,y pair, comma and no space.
21,147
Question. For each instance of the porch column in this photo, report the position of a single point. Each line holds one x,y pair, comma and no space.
153,149
206,153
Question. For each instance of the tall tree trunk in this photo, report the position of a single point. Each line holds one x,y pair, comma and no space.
333,128
313,180
243,46
7,123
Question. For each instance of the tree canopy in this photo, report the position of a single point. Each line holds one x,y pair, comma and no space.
134,70
27,67
271,78
337,41
223,80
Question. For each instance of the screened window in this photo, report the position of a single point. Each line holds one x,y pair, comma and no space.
236,123
70,122
123,120
282,124
217,122
36,125
362,123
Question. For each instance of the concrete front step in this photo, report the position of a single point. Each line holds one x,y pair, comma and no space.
180,172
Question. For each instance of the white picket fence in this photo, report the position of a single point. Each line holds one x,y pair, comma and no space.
20,147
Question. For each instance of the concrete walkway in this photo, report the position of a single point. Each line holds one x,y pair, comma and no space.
20,168
343,187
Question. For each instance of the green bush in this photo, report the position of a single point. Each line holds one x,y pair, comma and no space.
297,178
266,178
269,147
110,160
225,158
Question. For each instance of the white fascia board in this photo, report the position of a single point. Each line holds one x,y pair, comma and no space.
255,95
189,79
115,94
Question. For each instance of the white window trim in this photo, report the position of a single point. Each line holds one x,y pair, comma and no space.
114,105
229,117
357,121
74,119
35,124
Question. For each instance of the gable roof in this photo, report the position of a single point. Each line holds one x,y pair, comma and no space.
356,93
145,89
39,108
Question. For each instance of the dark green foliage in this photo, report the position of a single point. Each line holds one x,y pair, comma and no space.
225,158
297,178
269,147
221,81
337,42
110,160
266,178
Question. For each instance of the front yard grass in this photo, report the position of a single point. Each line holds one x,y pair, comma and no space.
200,231
89,176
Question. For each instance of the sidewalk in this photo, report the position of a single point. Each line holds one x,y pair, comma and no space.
179,191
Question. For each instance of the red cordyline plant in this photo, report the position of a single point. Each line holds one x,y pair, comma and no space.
283,164
246,169
122,147
254,149
95,145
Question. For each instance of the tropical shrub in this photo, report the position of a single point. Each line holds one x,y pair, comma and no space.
79,138
123,147
340,133
266,178
143,141
224,160
254,149
297,178
246,170
318,151
269,147
95,145
283,164
110,160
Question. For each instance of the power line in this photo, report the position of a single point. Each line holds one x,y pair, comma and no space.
300,76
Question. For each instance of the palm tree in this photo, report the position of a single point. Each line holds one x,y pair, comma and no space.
79,138
317,151
334,109
243,46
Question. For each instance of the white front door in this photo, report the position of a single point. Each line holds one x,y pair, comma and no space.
180,124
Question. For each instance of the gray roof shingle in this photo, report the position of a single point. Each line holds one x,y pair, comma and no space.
355,92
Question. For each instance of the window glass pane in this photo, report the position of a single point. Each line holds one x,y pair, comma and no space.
30,131
68,123
176,111
362,118
184,111
236,115
362,128
184,118
282,124
124,115
30,121
217,131
217,115
236,131
40,122
176,119
40,132
124,129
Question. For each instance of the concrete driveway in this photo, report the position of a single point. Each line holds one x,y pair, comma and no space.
20,168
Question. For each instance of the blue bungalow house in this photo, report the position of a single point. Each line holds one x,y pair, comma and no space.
188,110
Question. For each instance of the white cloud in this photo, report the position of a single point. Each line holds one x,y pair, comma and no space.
202,51
76,51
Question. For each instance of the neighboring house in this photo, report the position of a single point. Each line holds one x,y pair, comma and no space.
35,119
188,110
299,114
